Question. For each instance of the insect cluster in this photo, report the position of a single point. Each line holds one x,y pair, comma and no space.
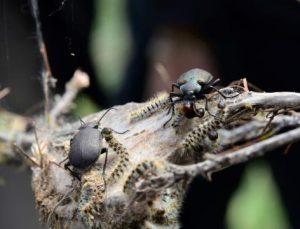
196,90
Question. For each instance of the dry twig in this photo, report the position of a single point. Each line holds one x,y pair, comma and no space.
79,81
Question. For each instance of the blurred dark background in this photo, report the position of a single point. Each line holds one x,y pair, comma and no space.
119,44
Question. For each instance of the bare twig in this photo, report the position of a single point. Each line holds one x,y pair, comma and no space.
4,92
22,153
47,78
218,163
275,100
252,129
79,81
243,155
245,84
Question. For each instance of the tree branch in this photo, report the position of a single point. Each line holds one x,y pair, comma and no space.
148,189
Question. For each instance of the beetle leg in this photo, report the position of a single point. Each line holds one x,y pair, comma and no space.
173,110
173,94
74,174
173,113
117,132
174,85
63,161
172,105
200,112
170,108
168,120
66,166
178,118
172,102
206,108
215,82
224,96
207,87
104,150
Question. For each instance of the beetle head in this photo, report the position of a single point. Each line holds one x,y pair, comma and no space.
190,90
193,83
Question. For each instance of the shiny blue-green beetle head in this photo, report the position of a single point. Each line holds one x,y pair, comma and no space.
193,82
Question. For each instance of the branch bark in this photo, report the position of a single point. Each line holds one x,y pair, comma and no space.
148,190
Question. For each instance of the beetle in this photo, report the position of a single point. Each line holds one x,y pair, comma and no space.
193,85
86,147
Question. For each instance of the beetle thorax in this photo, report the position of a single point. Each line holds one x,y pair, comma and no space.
190,89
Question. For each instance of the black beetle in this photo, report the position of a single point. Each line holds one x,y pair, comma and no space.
85,148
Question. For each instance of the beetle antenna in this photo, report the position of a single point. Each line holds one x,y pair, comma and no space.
108,110
215,81
117,132
171,108
82,122
211,85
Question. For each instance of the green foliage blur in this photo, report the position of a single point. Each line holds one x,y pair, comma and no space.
110,43
256,203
